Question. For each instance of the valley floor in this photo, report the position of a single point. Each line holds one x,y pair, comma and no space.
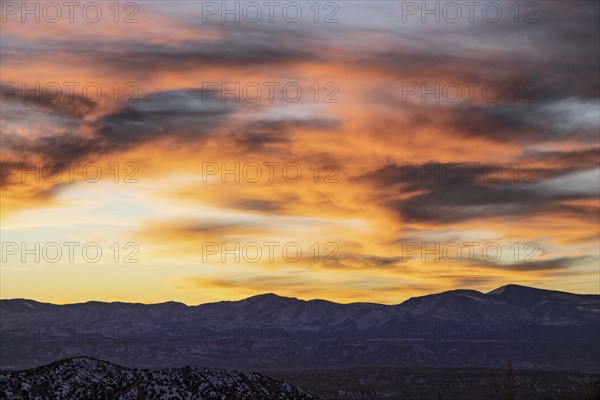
441,383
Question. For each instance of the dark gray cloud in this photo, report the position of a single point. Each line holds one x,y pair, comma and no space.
265,134
447,203
559,52
189,114
530,167
171,114
262,205
518,123
552,264
51,99
453,192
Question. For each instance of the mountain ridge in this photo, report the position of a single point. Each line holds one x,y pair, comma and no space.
533,327
274,296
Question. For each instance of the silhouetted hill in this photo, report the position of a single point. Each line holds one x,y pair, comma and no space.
533,327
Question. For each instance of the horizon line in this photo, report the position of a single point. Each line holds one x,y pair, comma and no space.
296,298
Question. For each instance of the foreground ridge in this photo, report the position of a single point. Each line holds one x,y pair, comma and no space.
90,378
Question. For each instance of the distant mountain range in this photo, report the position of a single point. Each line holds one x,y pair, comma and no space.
88,378
533,328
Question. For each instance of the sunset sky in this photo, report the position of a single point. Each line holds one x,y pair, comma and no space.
405,133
